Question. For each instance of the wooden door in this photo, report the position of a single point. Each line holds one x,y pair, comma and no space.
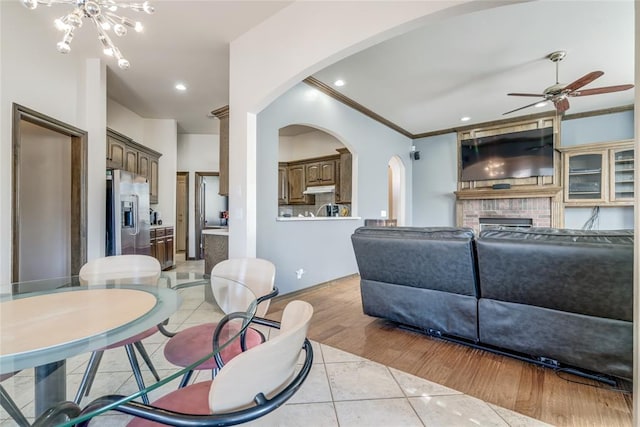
182,211
49,170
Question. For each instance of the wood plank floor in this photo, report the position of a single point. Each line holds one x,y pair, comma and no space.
562,400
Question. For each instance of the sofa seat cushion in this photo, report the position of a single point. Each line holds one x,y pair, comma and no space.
593,343
425,309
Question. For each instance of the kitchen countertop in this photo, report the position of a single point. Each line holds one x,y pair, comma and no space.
216,231
316,218
153,226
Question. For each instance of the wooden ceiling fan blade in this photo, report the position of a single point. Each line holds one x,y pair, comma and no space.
538,95
562,105
599,90
521,108
582,81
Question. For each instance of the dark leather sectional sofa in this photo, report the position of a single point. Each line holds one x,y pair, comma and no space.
557,297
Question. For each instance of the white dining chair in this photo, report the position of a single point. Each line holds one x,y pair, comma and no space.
117,270
252,385
194,343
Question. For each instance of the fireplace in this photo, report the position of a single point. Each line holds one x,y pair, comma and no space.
505,222
537,208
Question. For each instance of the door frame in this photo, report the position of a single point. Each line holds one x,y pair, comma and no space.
79,139
198,202
186,202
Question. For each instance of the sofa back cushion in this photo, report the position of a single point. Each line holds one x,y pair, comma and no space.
438,258
585,272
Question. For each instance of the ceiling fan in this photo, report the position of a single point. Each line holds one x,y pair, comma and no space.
559,92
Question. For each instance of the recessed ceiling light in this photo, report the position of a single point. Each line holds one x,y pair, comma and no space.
541,104
465,119
181,87
339,82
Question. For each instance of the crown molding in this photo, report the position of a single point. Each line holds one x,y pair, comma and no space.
221,112
328,90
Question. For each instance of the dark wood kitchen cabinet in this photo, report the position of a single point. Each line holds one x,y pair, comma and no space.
343,174
283,184
321,173
126,154
162,246
296,177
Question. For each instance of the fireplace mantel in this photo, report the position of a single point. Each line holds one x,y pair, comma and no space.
543,205
510,193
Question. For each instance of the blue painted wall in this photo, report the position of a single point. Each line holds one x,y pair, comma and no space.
435,178
322,248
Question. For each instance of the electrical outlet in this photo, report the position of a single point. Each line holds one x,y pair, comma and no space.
299,273
383,214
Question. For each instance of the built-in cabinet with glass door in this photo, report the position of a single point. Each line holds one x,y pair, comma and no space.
599,174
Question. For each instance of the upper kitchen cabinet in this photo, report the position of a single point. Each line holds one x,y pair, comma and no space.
312,161
296,180
116,146
126,154
344,175
223,115
321,172
283,184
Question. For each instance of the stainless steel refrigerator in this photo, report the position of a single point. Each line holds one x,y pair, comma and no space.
127,213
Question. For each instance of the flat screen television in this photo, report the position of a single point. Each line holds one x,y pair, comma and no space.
513,155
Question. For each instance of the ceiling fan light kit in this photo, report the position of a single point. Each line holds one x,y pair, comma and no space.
559,92
102,14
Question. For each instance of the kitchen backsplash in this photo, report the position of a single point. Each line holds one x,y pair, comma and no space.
318,209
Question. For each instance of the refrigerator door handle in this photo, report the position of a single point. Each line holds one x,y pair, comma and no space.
136,203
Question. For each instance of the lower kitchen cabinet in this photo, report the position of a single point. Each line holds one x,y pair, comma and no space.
162,246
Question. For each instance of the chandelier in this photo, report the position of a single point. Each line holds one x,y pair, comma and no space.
103,15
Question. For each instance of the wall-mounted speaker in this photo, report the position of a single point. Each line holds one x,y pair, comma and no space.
415,155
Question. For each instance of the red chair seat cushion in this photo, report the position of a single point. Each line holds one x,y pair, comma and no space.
192,344
139,337
193,399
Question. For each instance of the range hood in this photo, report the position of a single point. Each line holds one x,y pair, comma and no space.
318,189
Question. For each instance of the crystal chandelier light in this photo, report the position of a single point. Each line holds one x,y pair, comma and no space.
103,15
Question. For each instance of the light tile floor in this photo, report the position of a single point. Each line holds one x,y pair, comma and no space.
342,389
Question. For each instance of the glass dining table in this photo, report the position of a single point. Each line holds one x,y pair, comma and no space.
44,323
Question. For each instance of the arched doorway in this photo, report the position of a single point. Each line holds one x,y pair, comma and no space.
397,190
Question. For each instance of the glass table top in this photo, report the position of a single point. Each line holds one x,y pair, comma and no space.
47,321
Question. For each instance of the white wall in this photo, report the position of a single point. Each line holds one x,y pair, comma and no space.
125,121
162,135
307,145
197,153
65,87
322,248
